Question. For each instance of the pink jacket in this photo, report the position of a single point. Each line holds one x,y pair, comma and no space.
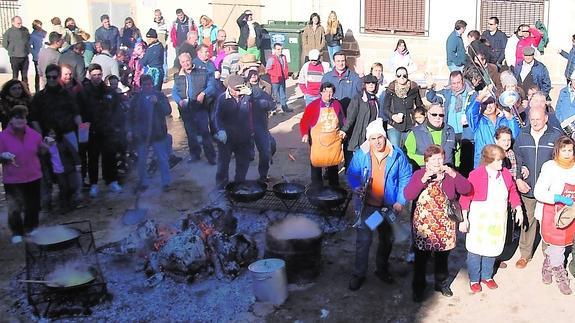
26,166
478,178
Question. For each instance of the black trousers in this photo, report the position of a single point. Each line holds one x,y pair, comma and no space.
332,176
24,199
467,153
363,242
36,77
101,146
420,267
19,66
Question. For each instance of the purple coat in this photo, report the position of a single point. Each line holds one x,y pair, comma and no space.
449,185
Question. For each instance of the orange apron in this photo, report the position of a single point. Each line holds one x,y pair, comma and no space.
549,232
326,144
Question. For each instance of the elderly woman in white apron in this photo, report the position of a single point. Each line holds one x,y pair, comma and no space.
485,215
555,190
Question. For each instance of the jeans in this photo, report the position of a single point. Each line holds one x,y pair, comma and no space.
195,118
479,267
100,146
420,267
452,67
332,50
241,151
363,243
36,78
161,155
310,98
395,136
19,65
263,145
165,66
279,91
23,198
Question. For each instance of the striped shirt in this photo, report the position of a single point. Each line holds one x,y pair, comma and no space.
310,76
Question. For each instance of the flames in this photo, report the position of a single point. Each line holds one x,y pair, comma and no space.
164,234
207,230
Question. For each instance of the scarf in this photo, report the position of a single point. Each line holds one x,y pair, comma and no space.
401,90
459,100
372,102
565,163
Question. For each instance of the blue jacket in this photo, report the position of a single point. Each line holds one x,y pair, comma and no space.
139,115
397,173
452,117
565,107
188,86
455,50
263,104
234,117
213,33
111,35
570,61
531,157
484,130
36,43
346,87
539,73
154,56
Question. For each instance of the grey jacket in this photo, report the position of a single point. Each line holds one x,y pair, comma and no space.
76,61
46,57
17,41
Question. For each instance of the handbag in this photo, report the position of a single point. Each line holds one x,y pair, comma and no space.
454,210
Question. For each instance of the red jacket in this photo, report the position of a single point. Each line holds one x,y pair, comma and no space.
478,178
311,114
275,70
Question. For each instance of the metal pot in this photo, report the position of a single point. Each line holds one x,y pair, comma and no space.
247,191
56,237
288,191
326,197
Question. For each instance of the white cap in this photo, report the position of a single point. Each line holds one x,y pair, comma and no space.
313,55
375,127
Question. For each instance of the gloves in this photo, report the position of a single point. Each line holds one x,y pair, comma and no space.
563,199
221,136
245,90
7,155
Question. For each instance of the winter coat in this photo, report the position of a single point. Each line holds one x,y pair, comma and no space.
358,117
245,32
311,115
311,39
451,186
76,61
111,35
109,65
36,43
539,73
455,50
452,117
483,129
154,56
552,181
54,108
393,104
234,117
397,173
479,179
277,70
346,87
190,85
565,108
527,155
570,67
333,40
16,41
498,42
180,29
102,109
139,123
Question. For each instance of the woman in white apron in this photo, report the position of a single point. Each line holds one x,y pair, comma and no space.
485,215
555,190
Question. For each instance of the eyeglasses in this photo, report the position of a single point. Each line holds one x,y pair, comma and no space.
437,115
491,24
52,77
401,76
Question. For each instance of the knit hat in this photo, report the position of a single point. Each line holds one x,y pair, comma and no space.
152,33
231,41
313,55
375,128
528,51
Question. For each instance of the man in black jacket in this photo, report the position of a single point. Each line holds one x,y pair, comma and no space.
250,34
533,147
103,111
147,127
497,40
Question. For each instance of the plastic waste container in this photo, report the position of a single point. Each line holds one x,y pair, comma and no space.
287,33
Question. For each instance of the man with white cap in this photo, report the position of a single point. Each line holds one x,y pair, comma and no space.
389,170
310,76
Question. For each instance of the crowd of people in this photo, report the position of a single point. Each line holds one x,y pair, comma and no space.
496,164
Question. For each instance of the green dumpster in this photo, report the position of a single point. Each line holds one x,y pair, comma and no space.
287,33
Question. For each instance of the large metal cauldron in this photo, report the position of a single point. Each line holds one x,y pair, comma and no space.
296,240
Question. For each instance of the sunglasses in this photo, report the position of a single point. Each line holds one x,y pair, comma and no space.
401,76
437,115
52,77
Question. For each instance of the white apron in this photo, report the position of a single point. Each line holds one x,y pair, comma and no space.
488,220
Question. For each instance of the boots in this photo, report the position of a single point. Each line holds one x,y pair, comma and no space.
562,280
546,273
